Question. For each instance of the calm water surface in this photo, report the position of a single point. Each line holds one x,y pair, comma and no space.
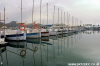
59,50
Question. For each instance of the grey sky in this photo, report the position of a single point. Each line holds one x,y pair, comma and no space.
88,11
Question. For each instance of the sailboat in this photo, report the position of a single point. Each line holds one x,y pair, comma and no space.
12,34
16,35
33,32
44,32
53,31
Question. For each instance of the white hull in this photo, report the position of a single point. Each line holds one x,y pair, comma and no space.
16,38
34,36
44,34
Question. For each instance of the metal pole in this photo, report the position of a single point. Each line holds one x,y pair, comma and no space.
40,10
21,11
0,20
32,11
4,22
47,13
53,15
67,18
64,17
58,15
61,16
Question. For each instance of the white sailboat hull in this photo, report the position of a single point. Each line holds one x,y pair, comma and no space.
15,37
33,35
44,34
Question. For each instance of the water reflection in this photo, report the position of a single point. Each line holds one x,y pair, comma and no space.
40,52
17,44
2,49
53,37
45,39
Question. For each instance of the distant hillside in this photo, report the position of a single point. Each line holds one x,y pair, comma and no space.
15,24
12,24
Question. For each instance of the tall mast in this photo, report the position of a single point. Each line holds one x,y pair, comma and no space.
77,22
4,22
72,20
0,19
67,19
21,11
61,16
53,15
0,25
32,11
47,13
58,15
40,10
64,17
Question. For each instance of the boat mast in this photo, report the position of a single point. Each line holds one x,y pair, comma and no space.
53,15
21,11
67,21
0,20
61,16
0,25
72,22
32,11
47,13
40,10
4,23
58,16
64,18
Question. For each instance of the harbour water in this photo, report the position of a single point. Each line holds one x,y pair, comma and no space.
83,47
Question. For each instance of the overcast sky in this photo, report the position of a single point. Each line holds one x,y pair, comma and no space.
88,11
